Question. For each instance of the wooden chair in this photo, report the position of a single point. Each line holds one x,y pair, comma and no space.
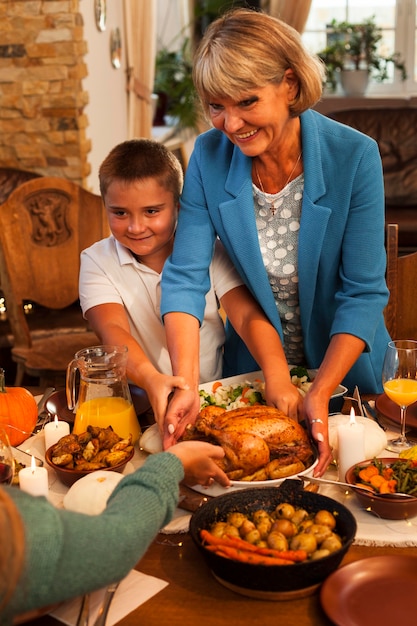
400,312
45,223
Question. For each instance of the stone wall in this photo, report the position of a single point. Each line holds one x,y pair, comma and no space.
42,123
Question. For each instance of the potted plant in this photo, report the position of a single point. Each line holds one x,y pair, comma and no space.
174,86
353,47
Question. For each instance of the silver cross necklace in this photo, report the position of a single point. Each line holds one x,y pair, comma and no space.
273,208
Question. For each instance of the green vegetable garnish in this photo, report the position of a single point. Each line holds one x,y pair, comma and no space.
300,372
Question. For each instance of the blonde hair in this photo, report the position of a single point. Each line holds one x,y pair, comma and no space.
12,547
244,50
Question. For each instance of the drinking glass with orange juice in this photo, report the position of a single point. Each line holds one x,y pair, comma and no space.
399,378
103,395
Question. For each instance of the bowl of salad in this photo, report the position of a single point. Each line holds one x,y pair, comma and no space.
249,389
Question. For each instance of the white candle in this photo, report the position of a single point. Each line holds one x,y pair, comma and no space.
54,431
34,480
351,445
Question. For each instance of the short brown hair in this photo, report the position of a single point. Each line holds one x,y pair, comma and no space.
246,49
137,159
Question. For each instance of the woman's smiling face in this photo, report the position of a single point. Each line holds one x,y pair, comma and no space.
258,120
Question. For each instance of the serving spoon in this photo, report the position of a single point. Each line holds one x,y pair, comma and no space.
387,496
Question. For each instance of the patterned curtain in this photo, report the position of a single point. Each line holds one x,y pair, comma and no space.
140,29
293,12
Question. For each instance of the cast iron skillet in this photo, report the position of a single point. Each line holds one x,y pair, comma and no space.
265,577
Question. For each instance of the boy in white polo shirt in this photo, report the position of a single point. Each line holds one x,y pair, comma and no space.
140,183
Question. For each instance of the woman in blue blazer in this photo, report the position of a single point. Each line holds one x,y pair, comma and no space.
298,201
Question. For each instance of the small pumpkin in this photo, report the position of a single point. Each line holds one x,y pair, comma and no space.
18,412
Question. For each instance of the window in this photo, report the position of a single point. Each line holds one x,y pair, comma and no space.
397,18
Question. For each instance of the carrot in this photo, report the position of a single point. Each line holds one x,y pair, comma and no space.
246,556
367,472
387,473
390,486
241,544
289,555
377,481
216,386
364,486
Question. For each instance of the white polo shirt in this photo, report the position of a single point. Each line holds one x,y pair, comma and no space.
110,274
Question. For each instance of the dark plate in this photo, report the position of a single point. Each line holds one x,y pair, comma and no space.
57,403
378,590
263,579
389,409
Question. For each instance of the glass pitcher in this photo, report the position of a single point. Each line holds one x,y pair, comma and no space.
104,397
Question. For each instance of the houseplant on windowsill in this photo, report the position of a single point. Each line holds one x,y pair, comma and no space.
353,48
174,86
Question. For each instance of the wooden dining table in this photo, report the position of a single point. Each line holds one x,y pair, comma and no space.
193,596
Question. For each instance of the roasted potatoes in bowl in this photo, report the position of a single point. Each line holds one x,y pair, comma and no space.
309,522
75,456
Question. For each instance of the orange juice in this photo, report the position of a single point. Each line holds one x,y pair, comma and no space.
402,391
111,411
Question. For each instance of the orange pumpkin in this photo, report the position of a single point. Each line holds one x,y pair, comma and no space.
18,412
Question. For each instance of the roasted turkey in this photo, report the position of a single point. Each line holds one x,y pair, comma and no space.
260,442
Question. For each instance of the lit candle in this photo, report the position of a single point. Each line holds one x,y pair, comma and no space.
351,444
34,480
54,431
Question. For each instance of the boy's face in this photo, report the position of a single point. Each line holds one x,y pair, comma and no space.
143,216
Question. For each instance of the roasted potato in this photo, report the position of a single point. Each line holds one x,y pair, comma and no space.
96,448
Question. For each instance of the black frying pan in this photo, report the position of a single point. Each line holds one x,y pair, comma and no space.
276,578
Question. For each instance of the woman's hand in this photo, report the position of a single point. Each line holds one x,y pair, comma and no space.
316,412
183,409
283,395
199,461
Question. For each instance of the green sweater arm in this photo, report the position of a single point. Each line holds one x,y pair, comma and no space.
69,554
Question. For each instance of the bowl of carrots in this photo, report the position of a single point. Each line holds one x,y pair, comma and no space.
381,476
273,543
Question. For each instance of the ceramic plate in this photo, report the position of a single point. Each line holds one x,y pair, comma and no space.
389,409
218,490
378,590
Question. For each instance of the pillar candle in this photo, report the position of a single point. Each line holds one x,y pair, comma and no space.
34,480
54,431
351,444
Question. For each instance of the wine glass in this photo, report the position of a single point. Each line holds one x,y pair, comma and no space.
399,378
6,459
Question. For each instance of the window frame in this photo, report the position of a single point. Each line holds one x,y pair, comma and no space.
405,42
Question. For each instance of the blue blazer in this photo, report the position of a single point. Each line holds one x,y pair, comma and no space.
341,253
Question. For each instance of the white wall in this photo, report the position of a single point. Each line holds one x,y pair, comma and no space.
106,86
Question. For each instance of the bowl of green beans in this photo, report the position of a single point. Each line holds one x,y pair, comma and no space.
379,476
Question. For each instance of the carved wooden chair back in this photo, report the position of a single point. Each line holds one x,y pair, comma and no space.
45,223
400,312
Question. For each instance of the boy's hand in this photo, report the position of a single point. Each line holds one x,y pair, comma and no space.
199,461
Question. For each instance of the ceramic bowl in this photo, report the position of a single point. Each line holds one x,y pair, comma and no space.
337,399
69,476
382,507
267,581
